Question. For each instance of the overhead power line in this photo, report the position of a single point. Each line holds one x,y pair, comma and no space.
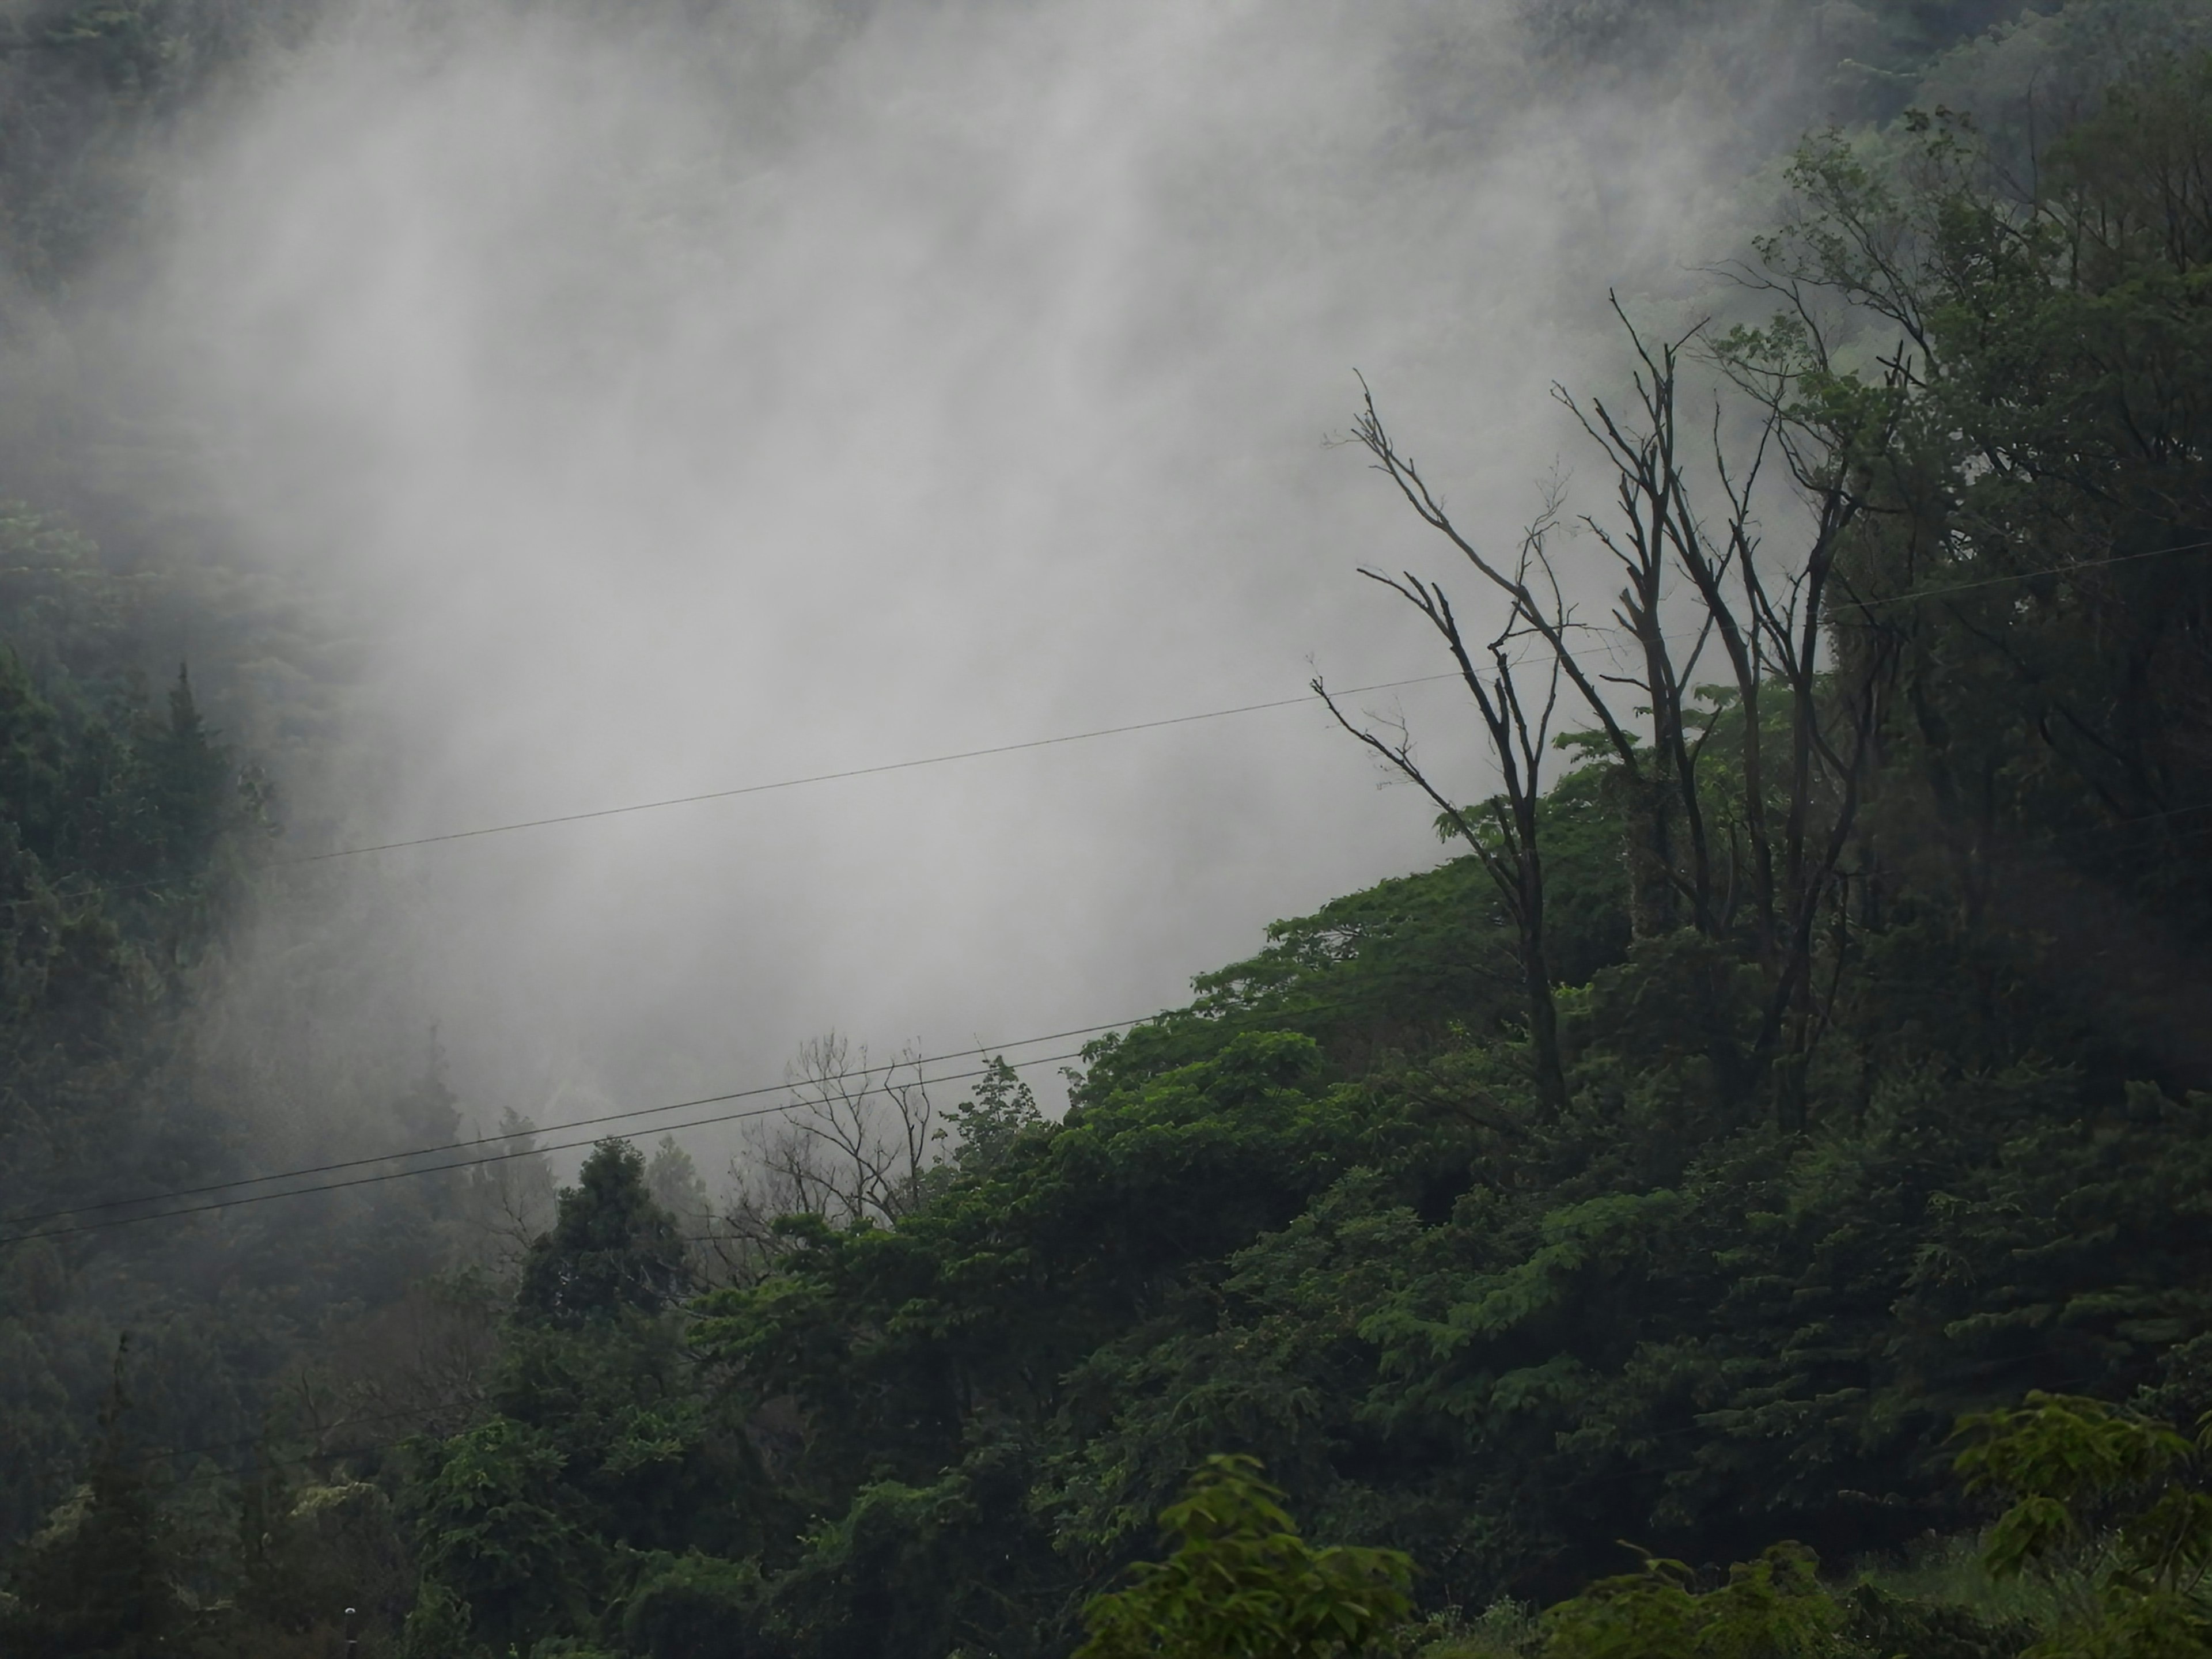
736,791
629,1115
171,1194
378,1176
1605,648
2040,571
739,791
834,777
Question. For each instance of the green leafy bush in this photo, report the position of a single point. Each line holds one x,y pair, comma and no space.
1243,1585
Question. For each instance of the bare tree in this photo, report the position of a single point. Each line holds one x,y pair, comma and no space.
511,1198
855,1146
420,1364
1502,834
1753,859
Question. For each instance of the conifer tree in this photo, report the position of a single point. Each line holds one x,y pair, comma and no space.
611,1248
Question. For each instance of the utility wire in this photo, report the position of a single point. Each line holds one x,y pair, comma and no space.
561,1128
626,808
833,777
2030,575
792,783
632,1115
299,859
471,1163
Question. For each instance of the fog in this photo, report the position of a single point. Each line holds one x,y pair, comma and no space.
669,404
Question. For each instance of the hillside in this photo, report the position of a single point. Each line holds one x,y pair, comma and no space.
1807,1051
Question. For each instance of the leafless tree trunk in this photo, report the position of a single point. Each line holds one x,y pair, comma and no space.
1734,862
855,1147
511,1200
1511,854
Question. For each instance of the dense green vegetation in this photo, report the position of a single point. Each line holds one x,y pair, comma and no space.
1779,1136
1905,1134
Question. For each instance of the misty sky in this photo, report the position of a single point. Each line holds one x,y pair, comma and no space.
672,407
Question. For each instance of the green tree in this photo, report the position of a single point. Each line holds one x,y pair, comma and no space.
1001,1107
611,1249
1243,1585
505,1552
2034,566
601,1446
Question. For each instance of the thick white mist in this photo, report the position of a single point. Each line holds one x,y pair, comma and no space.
684,408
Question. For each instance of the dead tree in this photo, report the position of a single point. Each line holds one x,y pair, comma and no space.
855,1147
511,1198
1502,834
1757,863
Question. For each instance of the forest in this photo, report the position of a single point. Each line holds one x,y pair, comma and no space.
1751,1195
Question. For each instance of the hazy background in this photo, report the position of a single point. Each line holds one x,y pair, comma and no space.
666,401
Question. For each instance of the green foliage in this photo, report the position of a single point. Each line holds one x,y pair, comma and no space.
2041,494
1931,1627
695,1607
599,1452
125,826
307,1552
674,1184
2112,1496
911,1572
1390,969
89,86
1243,1585
883,1333
611,1250
109,824
503,1555
1774,1607
1317,1218
1000,1107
